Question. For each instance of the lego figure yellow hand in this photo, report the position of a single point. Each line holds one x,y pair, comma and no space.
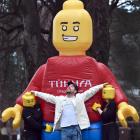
49,128
124,111
13,112
95,106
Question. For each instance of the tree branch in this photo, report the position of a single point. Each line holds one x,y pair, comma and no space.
8,31
113,5
44,31
3,15
10,48
49,5
124,3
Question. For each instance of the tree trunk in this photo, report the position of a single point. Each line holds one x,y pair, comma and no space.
32,37
99,11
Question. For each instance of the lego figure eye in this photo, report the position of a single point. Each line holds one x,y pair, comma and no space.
64,27
76,28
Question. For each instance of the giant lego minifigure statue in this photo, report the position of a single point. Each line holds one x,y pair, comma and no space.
72,36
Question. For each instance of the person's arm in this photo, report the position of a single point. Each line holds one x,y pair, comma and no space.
45,96
91,92
108,113
99,111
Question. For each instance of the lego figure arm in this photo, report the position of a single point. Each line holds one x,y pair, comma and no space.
124,110
16,111
13,112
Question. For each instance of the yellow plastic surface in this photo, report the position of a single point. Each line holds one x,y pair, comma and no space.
108,92
124,111
13,112
72,29
28,99
49,128
95,106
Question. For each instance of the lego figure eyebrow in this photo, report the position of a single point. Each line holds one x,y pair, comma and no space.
64,23
76,22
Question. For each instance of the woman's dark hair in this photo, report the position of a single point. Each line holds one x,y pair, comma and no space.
72,83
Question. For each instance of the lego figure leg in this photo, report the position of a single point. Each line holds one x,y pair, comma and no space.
93,132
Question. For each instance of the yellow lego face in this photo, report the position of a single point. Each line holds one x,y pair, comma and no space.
72,30
108,92
28,100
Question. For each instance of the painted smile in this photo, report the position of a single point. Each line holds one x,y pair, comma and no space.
69,38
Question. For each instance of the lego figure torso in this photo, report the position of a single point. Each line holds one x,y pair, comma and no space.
85,71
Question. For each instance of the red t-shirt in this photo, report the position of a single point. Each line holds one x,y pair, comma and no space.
52,78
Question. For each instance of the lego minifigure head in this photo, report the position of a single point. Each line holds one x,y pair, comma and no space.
28,99
108,92
72,29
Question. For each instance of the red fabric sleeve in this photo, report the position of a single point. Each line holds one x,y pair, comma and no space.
35,83
107,76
